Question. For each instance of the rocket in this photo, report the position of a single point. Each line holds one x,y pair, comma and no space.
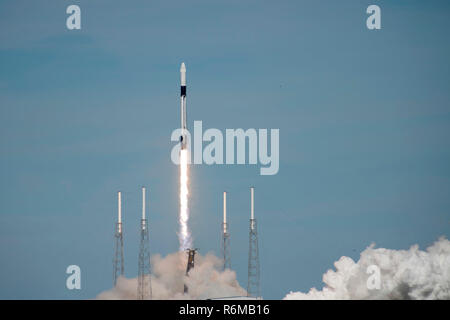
183,137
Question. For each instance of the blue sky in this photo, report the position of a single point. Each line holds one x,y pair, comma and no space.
364,119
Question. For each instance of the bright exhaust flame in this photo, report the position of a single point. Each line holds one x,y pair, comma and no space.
184,234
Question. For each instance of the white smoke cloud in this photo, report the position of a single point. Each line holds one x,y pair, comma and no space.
206,280
404,274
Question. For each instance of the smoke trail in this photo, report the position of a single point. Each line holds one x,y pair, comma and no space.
205,281
184,234
404,274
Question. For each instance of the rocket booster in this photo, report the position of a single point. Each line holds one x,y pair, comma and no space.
183,137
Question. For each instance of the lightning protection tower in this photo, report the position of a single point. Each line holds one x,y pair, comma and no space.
225,236
253,287
144,272
118,248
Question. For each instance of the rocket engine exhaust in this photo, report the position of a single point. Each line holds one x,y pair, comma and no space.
184,233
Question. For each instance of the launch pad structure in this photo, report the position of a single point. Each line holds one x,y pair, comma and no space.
144,291
253,286
190,264
191,258
118,261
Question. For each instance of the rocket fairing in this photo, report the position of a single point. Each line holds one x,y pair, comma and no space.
183,137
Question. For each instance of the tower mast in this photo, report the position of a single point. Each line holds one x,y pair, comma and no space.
118,268
144,278
225,236
253,286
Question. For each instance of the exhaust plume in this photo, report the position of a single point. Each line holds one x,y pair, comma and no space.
205,281
184,234
404,274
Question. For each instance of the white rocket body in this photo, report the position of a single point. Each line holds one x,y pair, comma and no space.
183,137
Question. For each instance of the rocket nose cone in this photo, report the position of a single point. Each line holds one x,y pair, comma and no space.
183,67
